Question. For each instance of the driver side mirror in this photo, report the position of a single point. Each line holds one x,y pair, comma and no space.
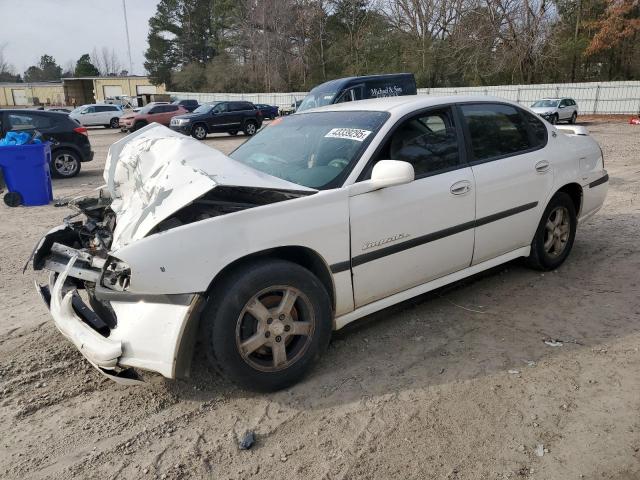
385,173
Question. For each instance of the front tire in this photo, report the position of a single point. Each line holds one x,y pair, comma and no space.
555,234
233,133
199,131
114,123
138,125
250,128
269,327
554,119
65,163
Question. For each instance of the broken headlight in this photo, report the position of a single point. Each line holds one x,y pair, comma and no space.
116,275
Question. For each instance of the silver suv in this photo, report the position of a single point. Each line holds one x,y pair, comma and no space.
555,110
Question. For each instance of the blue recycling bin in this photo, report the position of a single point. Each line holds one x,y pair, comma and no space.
26,174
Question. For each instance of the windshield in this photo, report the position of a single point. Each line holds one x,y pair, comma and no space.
313,149
204,108
546,103
317,98
78,109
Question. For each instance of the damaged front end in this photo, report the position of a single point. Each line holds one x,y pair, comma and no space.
120,324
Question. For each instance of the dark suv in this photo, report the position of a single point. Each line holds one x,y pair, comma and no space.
69,140
230,117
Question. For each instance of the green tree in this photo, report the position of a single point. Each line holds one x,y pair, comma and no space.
84,67
184,32
45,71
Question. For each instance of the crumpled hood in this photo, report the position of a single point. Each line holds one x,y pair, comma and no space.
155,171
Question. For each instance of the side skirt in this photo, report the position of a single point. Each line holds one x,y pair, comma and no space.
373,307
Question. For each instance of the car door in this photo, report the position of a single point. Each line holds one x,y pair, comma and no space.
564,112
88,116
406,235
513,175
103,115
155,114
221,119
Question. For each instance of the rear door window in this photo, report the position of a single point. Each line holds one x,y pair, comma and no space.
28,121
495,130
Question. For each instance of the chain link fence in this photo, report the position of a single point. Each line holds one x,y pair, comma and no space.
592,97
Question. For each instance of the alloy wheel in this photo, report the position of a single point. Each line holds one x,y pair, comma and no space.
557,232
65,164
250,128
200,132
275,328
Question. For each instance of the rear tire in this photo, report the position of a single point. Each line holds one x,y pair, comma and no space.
250,128
65,163
199,131
270,326
573,118
555,234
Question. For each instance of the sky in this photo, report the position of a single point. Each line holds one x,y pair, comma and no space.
66,29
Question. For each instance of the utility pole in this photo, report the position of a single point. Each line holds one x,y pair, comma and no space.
126,27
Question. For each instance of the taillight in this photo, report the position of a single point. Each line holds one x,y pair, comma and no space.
82,130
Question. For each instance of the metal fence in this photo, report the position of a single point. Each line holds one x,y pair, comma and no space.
592,97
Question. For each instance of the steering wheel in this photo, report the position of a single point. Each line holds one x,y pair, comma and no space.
338,163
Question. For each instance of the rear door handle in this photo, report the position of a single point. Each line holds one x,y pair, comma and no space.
542,166
461,187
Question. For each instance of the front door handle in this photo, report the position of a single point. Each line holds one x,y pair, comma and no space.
542,166
461,187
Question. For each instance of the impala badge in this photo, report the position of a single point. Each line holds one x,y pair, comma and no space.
384,241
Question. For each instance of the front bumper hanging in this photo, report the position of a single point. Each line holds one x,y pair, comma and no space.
73,318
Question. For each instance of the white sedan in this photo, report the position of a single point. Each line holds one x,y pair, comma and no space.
322,218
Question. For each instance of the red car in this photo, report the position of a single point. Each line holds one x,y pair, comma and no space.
158,113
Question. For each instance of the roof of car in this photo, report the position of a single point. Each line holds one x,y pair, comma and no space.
405,102
33,110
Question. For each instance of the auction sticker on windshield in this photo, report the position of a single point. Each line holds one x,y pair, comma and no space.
349,133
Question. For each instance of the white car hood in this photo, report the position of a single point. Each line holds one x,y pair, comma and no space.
155,171
540,110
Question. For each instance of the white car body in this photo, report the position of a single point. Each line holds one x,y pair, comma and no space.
98,114
374,246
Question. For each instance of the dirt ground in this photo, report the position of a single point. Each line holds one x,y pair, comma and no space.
456,384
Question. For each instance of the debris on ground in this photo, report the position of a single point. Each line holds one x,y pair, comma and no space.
514,372
539,451
553,343
248,439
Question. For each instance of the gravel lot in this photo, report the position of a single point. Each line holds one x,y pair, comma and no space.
456,384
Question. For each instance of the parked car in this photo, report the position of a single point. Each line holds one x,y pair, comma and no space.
190,105
359,88
216,117
291,108
150,104
555,110
70,145
268,111
161,113
98,114
60,109
320,219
